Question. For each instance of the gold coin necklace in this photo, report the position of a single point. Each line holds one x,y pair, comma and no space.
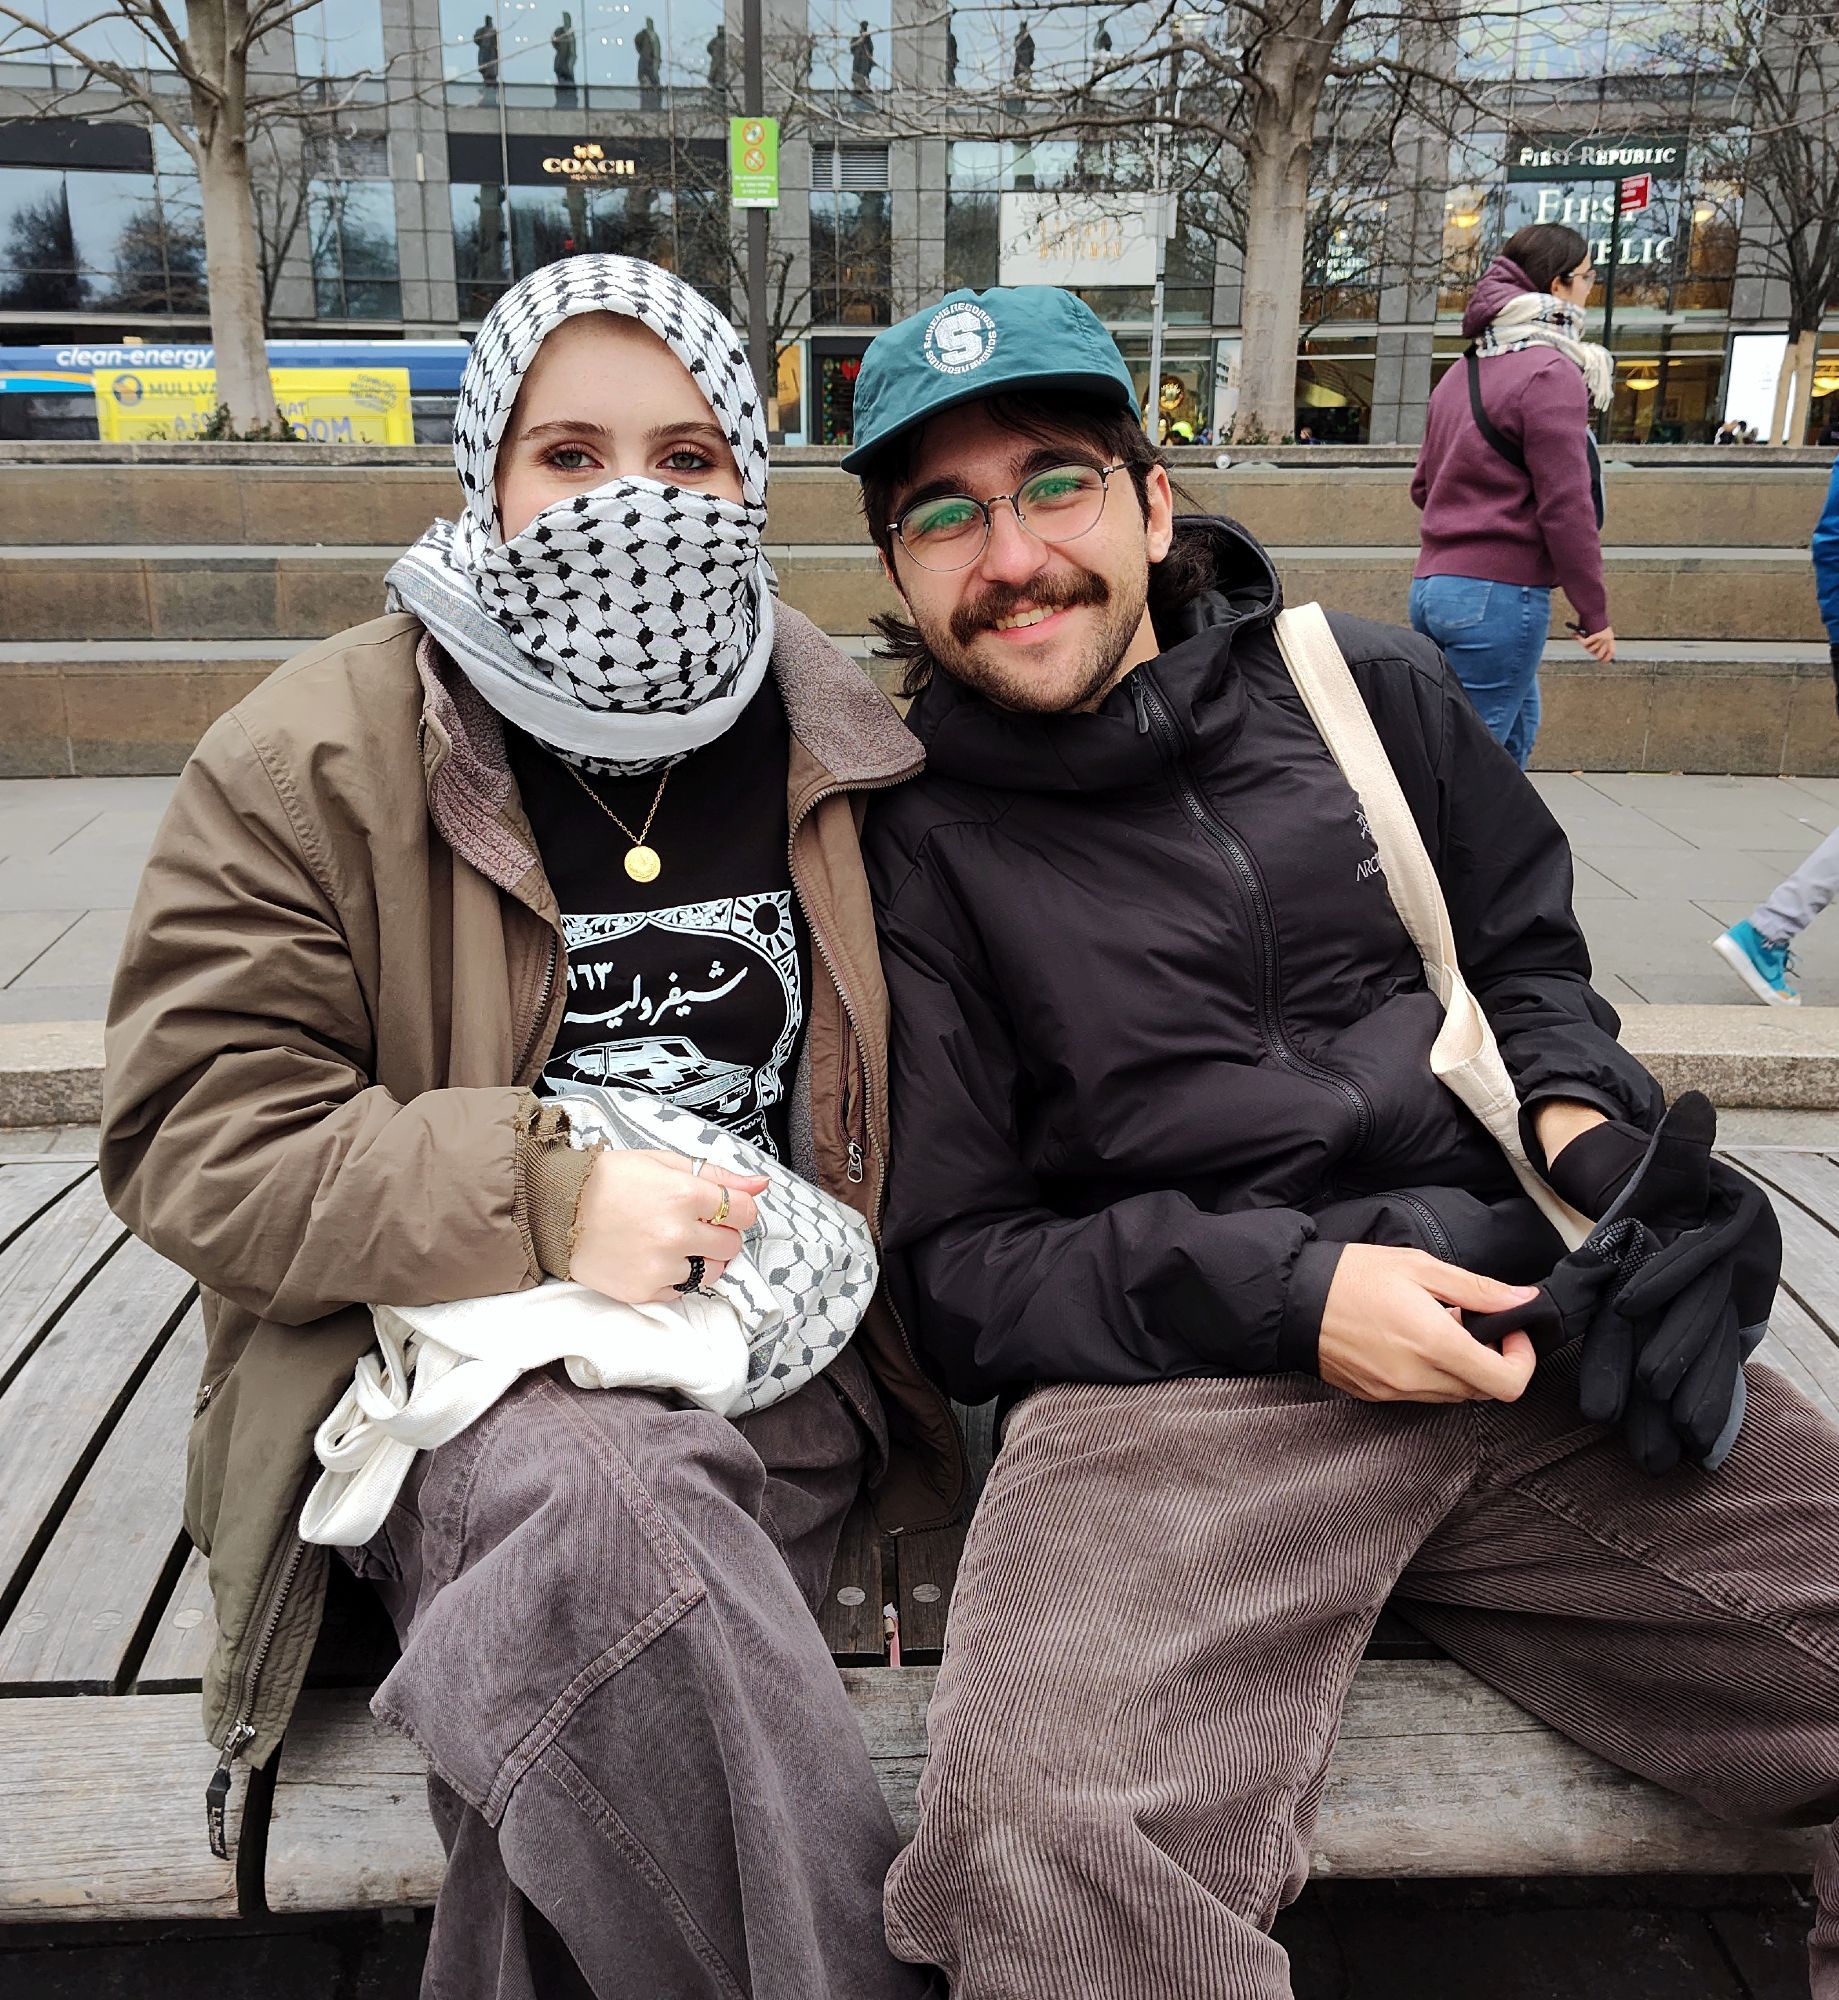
642,863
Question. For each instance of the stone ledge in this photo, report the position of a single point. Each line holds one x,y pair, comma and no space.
1758,1058
50,1073
1750,1058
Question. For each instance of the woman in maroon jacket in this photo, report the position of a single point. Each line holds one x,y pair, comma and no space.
1508,482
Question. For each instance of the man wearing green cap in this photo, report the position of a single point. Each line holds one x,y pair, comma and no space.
1173,1179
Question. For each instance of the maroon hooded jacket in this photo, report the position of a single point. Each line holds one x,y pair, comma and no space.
1485,517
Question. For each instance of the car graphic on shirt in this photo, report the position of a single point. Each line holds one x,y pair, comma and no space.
669,1066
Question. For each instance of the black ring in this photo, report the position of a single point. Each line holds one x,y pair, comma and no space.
693,1283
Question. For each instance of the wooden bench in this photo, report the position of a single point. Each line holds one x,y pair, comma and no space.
105,1623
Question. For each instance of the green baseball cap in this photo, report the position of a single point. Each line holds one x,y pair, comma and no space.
975,344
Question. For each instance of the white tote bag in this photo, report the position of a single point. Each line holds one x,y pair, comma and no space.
1464,1056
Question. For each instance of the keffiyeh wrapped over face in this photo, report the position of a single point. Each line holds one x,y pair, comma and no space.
623,627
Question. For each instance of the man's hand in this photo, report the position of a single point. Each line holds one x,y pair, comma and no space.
1391,1334
643,1216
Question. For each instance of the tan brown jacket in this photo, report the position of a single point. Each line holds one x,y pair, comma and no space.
343,971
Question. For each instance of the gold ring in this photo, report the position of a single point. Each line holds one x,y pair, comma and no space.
721,1210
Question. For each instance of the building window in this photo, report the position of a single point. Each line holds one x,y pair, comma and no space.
613,54
852,47
851,238
353,229
852,263
339,38
91,240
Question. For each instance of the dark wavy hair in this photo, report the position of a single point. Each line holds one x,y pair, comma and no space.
1079,423
1544,251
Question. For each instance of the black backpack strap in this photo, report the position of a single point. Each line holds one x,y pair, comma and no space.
1498,439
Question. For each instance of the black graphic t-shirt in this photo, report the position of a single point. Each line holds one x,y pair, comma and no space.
691,987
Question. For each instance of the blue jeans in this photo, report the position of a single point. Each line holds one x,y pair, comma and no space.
1492,634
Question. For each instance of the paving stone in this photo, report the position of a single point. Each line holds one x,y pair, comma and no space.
84,955
21,1004
26,935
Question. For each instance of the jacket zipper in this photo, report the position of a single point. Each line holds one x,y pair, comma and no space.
1433,1227
542,1007
242,1730
1153,717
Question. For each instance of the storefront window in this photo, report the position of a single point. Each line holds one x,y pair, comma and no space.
502,234
1334,392
1184,399
353,230
96,240
481,246
835,365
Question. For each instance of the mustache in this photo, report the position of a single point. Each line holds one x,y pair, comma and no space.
1044,593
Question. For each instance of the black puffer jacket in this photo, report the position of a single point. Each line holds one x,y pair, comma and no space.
1161,1043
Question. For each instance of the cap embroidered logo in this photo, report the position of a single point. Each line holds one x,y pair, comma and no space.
958,338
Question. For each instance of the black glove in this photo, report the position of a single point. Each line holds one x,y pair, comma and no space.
1667,1295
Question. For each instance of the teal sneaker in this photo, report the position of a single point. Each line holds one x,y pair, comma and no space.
1763,967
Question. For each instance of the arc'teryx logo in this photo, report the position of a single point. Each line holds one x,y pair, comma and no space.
958,338
1369,865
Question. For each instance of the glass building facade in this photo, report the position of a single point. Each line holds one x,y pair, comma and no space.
469,142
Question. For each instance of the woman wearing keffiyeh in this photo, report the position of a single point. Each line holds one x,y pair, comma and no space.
581,813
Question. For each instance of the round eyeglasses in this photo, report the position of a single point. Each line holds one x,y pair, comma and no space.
1058,505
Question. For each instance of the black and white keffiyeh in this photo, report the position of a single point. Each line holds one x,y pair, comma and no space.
624,627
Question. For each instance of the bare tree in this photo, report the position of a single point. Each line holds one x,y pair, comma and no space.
230,108
1230,100
1782,57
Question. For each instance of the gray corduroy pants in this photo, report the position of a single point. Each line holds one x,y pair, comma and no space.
1167,1588
644,1767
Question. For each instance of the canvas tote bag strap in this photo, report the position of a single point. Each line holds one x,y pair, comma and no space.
1465,1056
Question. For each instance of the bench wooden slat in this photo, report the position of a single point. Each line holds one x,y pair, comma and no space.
102,1799
851,1618
48,1260
64,1397
927,1565
1435,1775
113,1553
1802,1349
26,1190
183,1637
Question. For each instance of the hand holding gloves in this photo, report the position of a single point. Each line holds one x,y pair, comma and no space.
1669,1293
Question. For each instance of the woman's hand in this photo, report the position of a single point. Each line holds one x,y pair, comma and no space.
643,1216
1601,646
1391,1331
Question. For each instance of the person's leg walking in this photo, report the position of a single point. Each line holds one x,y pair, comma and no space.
1794,904
1162,1599
1687,1628
1492,634
616,1680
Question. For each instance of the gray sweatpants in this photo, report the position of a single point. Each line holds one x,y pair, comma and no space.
1792,905
644,1768
1165,1592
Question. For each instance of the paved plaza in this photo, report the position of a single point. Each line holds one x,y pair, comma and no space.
1663,863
